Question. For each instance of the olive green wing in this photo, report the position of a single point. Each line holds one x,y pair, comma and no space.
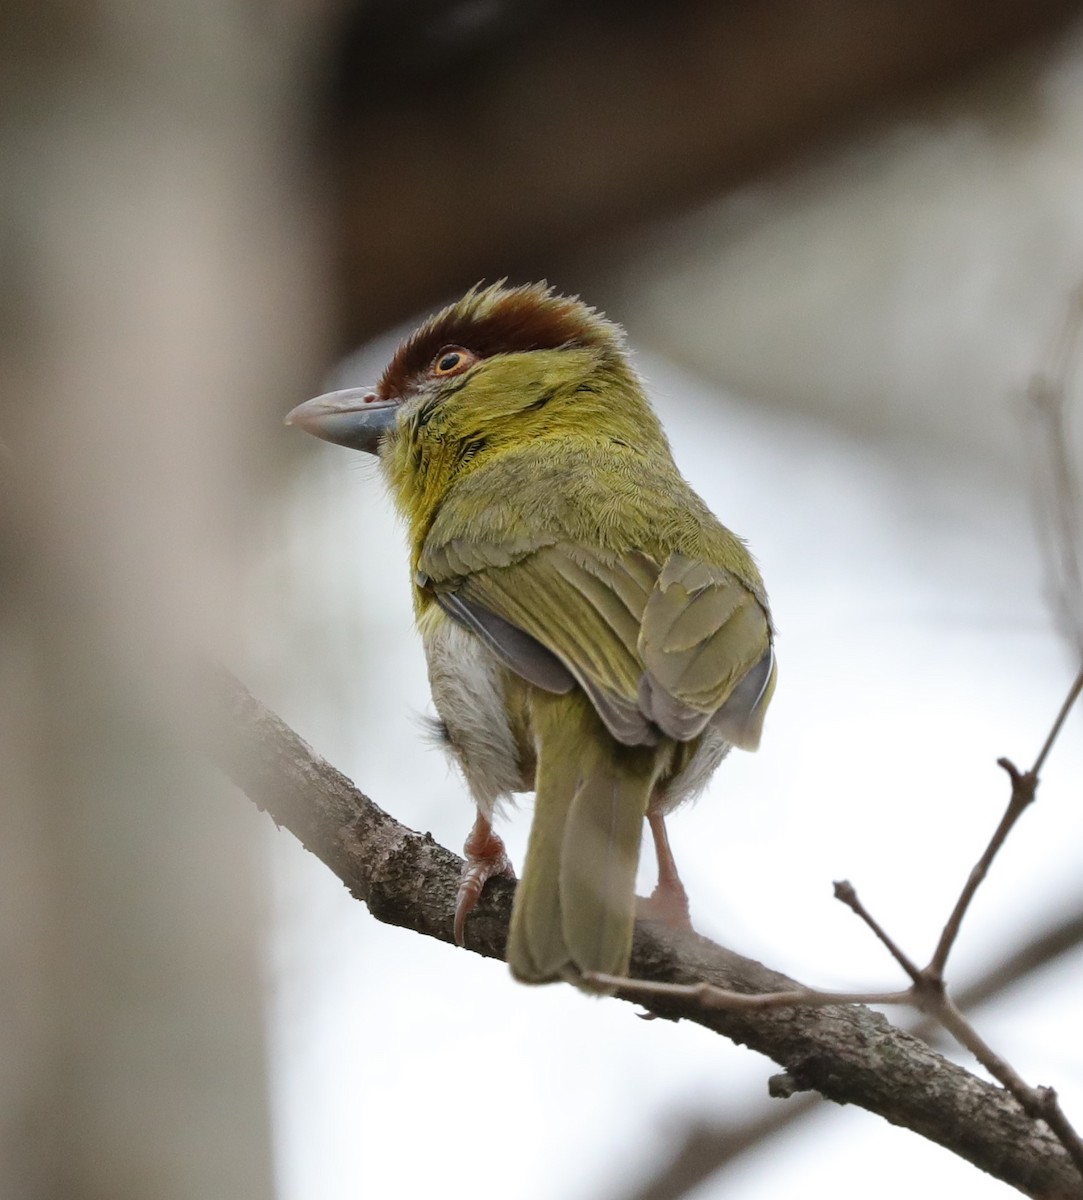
557,615
658,648
706,646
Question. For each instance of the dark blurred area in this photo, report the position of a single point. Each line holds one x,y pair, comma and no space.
477,139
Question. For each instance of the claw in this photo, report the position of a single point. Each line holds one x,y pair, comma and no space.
485,857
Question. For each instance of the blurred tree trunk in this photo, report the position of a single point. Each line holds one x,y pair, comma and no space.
155,294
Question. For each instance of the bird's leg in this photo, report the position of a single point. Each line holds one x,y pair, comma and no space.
668,902
485,856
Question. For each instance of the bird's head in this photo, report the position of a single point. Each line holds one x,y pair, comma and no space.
501,365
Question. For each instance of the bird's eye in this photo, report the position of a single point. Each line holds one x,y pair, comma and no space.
452,360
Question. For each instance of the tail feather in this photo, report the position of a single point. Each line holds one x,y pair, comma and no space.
598,869
575,905
536,949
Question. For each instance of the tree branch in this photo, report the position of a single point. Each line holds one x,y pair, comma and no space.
849,1054
707,1147
927,992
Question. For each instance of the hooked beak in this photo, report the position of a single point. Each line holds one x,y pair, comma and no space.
356,418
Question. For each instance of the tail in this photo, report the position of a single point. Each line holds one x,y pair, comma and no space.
575,904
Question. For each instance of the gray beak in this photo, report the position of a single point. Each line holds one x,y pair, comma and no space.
355,418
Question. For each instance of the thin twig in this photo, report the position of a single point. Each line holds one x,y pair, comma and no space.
930,995
1022,795
1040,1103
1024,787
927,991
844,891
1000,1069
1069,700
708,1147
713,997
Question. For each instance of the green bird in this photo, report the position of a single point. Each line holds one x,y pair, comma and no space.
592,632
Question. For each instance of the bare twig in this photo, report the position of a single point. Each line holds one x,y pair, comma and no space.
927,991
929,994
844,891
705,1148
1024,786
713,997
1022,795
1058,724
1039,1103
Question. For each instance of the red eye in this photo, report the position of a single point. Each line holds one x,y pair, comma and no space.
452,360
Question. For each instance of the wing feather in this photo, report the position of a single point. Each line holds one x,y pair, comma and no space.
658,648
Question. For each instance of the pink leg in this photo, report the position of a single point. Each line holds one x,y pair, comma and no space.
485,857
668,902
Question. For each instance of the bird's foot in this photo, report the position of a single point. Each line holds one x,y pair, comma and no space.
666,905
485,857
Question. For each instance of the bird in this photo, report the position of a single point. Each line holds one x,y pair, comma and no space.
593,633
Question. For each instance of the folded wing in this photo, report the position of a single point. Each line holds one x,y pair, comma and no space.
660,648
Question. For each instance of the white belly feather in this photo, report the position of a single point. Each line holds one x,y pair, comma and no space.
467,683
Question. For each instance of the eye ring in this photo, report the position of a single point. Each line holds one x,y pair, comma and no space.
452,360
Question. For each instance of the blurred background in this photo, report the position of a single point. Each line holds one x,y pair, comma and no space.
847,243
